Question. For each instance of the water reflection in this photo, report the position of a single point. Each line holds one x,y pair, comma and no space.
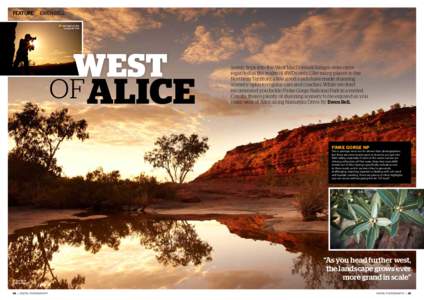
311,249
29,264
154,252
174,242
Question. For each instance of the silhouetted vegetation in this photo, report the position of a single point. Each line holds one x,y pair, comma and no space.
365,116
174,242
395,106
35,178
312,199
177,154
32,184
38,136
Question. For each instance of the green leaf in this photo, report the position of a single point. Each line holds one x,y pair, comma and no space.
410,206
361,227
362,212
410,200
413,216
372,236
388,197
403,193
344,213
357,238
347,232
375,202
394,229
395,216
352,212
362,203
420,202
383,222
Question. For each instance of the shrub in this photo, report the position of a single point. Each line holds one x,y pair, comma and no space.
32,184
312,200
271,176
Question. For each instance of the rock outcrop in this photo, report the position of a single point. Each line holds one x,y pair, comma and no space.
302,149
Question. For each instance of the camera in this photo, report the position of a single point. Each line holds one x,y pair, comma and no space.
31,46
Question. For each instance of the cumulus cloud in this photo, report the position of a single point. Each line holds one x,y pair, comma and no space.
194,14
221,44
373,40
208,46
251,39
105,23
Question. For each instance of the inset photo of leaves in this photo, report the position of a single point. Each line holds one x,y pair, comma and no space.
376,219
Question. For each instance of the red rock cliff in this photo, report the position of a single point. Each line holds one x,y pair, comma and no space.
300,150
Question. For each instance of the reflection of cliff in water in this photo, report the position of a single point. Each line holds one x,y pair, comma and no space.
312,249
174,243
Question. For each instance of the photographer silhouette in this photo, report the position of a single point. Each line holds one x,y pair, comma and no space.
25,45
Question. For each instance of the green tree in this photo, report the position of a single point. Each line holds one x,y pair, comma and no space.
177,154
38,136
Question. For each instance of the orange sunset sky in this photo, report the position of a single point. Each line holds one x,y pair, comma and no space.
202,44
54,44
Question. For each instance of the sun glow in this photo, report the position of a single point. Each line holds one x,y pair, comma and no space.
35,44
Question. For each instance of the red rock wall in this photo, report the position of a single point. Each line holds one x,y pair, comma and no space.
300,150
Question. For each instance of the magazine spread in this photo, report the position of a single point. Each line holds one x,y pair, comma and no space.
267,148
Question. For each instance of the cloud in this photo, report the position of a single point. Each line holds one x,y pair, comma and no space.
194,14
221,74
208,46
251,38
221,44
136,125
211,106
123,124
219,79
374,40
105,23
